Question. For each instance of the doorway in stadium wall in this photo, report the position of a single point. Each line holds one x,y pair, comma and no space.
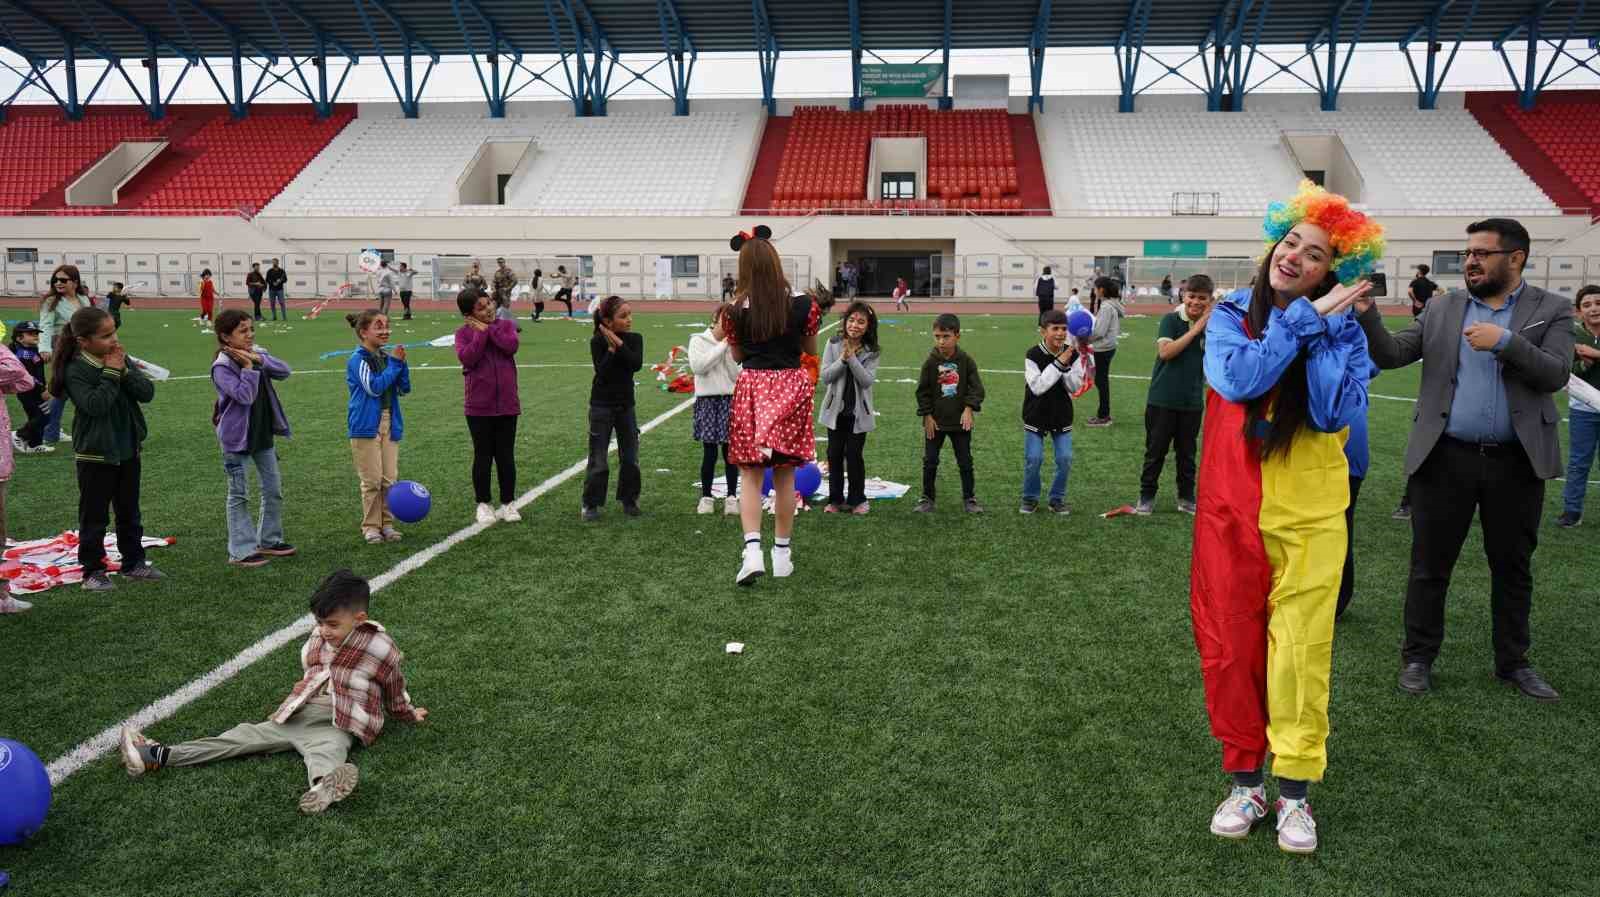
924,264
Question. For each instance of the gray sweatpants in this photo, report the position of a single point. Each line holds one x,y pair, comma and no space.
310,732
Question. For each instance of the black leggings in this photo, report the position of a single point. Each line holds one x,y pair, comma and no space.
1102,381
708,470
564,297
493,440
845,464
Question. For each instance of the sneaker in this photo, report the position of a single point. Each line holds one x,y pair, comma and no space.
277,550
971,506
730,506
1401,513
1029,505
1145,507
589,515
372,536
1098,422
98,582
831,508
1186,506
485,513
138,753
706,505
390,534
13,605
330,789
1060,507
145,572
1297,831
923,506
253,560
17,444
782,561
507,514
1237,815
631,509
862,509
754,566
1569,520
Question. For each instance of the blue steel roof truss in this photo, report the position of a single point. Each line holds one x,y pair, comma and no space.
589,37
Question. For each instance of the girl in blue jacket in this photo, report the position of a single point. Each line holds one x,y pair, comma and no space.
376,380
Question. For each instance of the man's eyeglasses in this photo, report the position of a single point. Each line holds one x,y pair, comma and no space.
1481,254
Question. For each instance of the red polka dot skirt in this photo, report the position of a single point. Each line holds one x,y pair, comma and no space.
771,424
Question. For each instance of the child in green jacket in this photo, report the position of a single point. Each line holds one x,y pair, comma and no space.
91,368
949,396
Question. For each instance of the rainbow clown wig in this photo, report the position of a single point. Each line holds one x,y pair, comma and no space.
1357,240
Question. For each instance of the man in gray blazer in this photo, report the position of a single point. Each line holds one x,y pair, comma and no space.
1483,439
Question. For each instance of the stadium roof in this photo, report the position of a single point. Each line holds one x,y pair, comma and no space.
187,28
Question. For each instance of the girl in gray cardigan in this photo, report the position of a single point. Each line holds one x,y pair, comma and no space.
1106,306
849,368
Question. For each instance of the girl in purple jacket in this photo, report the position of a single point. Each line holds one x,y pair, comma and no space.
487,348
248,417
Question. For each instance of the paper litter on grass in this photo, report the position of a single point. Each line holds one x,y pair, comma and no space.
43,564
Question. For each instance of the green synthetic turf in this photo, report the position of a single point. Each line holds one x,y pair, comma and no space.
942,704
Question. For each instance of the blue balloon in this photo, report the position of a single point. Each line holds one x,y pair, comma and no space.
26,787
1080,323
807,480
409,501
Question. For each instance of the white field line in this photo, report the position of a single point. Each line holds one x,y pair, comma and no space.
107,741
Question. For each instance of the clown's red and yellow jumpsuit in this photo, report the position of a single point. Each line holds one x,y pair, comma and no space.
1269,535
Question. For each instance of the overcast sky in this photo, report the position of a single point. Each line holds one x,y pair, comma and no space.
1067,71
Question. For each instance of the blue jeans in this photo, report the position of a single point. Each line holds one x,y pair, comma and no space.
1584,431
244,537
1033,459
52,419
275,303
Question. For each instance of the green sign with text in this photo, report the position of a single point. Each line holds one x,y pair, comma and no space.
1175,249
913,80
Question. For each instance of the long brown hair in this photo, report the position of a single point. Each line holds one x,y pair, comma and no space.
761,280
84,321
53,298
1291,394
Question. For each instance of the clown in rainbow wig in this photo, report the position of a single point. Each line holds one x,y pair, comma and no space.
1288,369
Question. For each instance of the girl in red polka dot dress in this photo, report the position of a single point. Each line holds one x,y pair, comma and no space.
771,423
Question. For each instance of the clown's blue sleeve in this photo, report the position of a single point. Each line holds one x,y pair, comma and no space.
1338,369
1240,368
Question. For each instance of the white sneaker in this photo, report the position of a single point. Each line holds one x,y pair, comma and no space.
754,567
10,605
508,514
1237,815
485,513
782,562
730,506
1297,831
390,534
707,505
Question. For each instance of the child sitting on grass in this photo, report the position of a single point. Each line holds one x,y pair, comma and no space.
1057,370
1174,407
351,679
949,395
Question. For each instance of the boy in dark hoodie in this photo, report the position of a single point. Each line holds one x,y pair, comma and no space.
949,396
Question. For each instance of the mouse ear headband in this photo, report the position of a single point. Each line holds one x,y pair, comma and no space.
759,232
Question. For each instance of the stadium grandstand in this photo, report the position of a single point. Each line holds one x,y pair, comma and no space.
962,184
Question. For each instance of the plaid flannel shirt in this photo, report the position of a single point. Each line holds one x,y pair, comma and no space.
366,678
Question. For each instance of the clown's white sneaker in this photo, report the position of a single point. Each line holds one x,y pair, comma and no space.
1237,815
1297,831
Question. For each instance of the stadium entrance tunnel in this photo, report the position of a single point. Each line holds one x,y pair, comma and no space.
1324,159
487,179
100,185
928,266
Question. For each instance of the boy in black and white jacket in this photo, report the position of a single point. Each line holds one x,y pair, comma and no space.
1057,370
